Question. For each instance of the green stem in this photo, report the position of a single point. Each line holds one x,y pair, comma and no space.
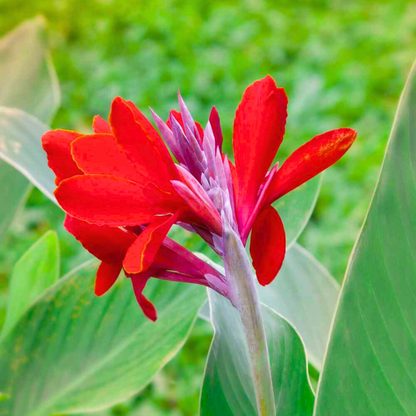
245,297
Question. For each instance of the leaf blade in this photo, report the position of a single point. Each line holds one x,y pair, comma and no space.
27,81
296,208
60,368
228,378
35,271
373,333
21,147
306,295
28,78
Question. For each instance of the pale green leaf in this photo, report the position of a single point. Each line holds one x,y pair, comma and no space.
306,295
14,190
228,385
27,78
28,82
296,208
21,147
371,358
73,352
36,270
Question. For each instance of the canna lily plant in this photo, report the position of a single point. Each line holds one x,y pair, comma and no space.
122,192
62,351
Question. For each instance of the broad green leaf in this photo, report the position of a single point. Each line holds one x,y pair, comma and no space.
27,78
21,147
73,352
28,82
306,295
228,385
371,359
14,191
36,270
296,208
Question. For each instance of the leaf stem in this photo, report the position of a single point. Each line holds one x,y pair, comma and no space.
245,298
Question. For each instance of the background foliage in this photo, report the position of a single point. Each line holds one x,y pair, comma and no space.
342,64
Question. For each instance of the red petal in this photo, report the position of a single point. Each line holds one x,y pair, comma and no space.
310,159
147,126
202,212
214,120
104,200
107,275
143,146
99,153
268,245
142,253
259,127
234,177
99,125
109,244
57,145
139,282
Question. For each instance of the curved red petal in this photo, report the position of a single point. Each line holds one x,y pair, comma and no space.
99,125
141,143
107,275
267,245
104,200
309,160
142,253
57,145
148,127
109,244
214,120
259,127
100,154
139,282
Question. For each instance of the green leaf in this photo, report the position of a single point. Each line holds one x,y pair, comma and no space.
36,270
27,78
296,208
28,82
306,295
371,359
14,191
228,384
73,352
21,147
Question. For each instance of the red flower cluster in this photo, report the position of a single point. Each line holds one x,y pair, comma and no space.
123,192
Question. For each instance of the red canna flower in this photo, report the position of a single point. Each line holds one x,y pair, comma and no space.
123,192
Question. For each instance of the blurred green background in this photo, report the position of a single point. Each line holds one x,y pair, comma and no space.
341,63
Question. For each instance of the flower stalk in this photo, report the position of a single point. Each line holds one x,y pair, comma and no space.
243,293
